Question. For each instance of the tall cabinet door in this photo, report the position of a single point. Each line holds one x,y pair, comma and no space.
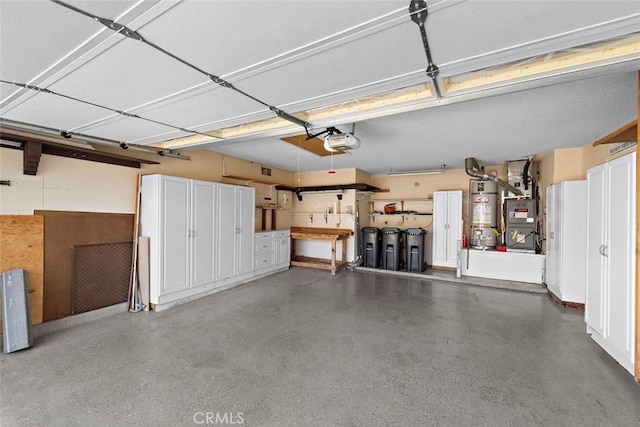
620,251
454,225
447,227
202,233
245,223
440,235
175,207
596,217
550,259
226,230
571,237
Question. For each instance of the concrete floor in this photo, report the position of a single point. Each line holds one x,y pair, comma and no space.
306,348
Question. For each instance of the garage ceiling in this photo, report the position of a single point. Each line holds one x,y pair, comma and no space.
329,63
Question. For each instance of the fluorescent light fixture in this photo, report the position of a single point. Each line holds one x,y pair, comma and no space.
337,111
417,172
574,59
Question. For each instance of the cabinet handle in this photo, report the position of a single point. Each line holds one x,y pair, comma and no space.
602,249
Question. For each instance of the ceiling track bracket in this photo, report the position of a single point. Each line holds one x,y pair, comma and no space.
418,12
332,130
119,28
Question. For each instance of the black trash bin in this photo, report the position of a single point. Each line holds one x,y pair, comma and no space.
415,249
371,247
391,248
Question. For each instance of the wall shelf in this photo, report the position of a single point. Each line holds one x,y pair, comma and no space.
402,214
331,188
402,199
401,202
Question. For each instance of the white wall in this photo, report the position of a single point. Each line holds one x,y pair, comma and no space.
317,204
65,184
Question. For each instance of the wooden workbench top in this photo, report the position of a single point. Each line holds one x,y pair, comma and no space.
320,233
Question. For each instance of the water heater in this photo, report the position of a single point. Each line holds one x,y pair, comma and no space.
484,216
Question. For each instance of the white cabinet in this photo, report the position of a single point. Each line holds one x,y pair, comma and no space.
201,237
447,227
272,251
282,245
264,252
610,298
203,232
177,215
235,225
565,273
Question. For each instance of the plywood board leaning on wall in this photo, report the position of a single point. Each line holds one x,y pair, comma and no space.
62,231
22,246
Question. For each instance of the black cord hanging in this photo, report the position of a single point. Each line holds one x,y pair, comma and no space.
127,32
93,104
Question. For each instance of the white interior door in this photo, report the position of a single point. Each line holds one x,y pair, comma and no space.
596,217
175,232
226,231
203,233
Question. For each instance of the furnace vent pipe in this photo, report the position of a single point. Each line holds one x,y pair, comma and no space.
472,168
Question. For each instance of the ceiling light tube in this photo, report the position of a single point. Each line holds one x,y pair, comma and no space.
417,172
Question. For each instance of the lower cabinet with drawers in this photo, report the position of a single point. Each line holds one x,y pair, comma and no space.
272,251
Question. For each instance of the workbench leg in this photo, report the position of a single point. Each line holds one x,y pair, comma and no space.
344,250
333,257
293,249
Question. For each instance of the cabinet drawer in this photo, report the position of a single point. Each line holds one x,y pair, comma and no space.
264,260
264,246
266,235
283,233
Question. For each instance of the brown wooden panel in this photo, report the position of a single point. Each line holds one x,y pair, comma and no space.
63,230
21,246
314,145
628,132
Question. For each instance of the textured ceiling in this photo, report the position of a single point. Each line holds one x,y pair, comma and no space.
301,55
